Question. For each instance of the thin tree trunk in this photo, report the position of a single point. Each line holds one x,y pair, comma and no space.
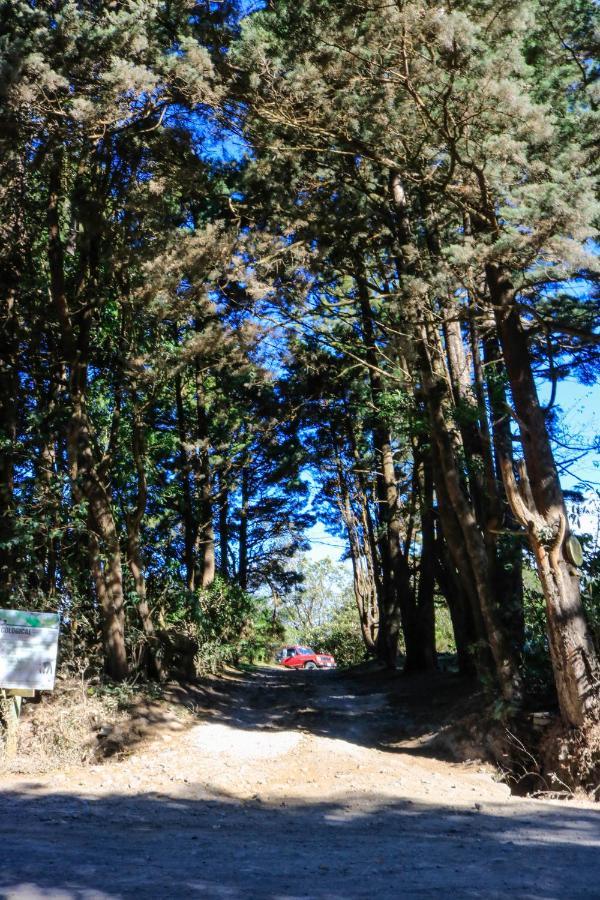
205,535
420,319
505,665
370,546
467,416
371,581
364,588
243,534
8,436
509,552
460,586
223,526
46,550
398,607
134,551
89,485
47,475
450,586
185,469
426,589
448,449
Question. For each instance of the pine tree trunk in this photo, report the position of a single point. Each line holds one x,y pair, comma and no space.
88,485
426,589
462,627
466,413
87,482
538,504
46,550
108,579
370,550
363,583
136,567
509,552
398,606
223,526
134,550
371,580
243,535
398,611
8,435
185,469
505,664
205,535
421,321
49,542
459,565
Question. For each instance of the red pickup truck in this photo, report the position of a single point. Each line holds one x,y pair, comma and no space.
304,658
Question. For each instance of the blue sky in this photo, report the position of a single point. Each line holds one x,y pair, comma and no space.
324,545
580,411
580,414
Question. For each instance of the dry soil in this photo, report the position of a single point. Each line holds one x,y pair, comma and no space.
293,785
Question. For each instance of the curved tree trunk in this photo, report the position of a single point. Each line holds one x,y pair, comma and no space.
538,503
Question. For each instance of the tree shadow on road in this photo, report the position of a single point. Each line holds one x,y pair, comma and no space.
388,712
198,844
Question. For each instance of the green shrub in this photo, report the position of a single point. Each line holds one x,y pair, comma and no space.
232,626
536,665
444,632
341,637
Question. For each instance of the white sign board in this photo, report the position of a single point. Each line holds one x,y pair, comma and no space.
28,648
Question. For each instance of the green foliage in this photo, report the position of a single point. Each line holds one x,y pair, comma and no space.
537,671
591,583
223,611
340,636
536,660
323,587
444,634
265,637
232,626
118,696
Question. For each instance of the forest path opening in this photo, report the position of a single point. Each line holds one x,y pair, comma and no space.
293,785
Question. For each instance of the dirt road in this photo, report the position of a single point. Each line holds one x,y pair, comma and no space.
294,785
